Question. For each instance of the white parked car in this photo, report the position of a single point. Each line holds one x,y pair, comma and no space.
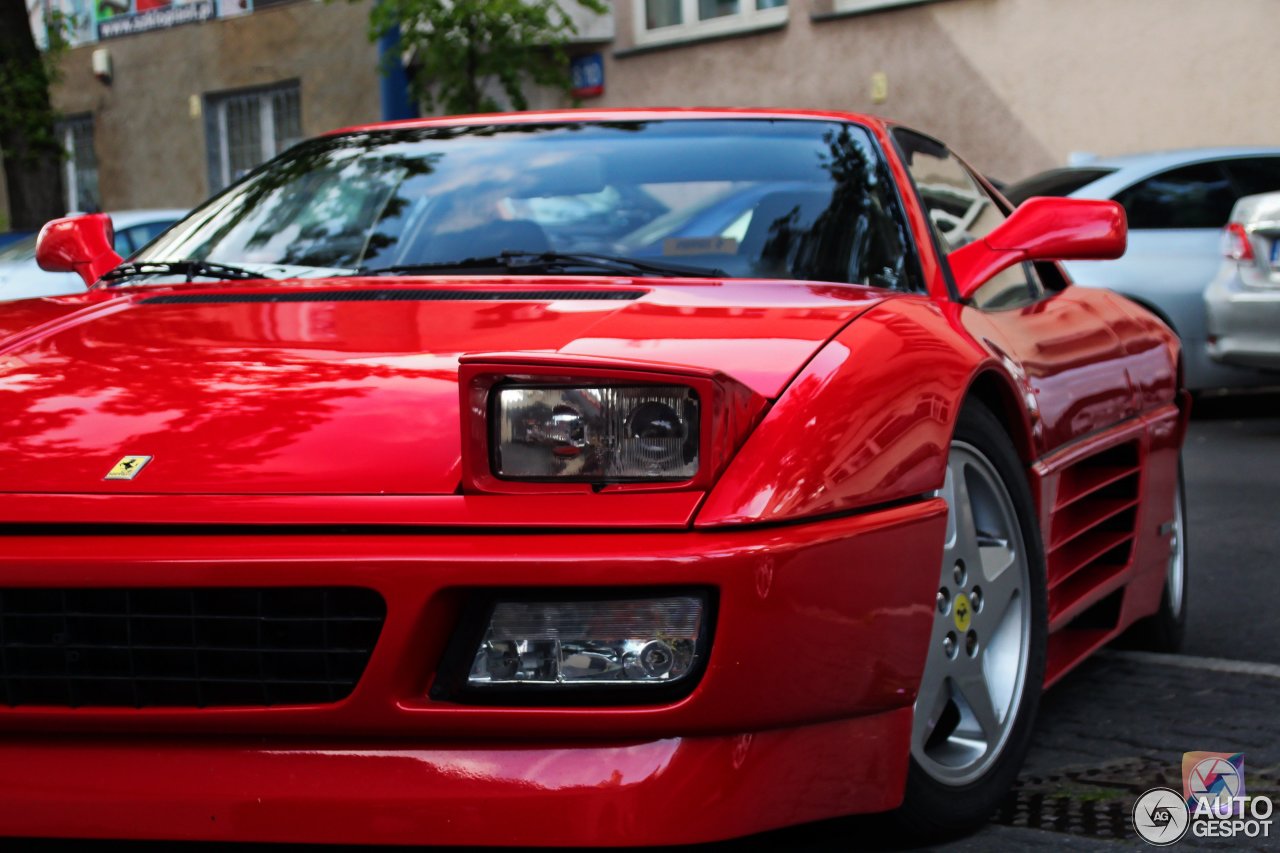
1243,301
21,278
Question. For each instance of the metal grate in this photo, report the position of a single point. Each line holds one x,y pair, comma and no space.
397,295
198,647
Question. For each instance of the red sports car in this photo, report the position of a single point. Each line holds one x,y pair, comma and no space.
572,478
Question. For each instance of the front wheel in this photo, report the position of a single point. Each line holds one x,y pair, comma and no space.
985,663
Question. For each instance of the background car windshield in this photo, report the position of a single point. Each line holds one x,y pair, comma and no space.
752,198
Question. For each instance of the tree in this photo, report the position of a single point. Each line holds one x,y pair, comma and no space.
28,142
462,51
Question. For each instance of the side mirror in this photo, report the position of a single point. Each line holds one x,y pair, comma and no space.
79,244
1042,229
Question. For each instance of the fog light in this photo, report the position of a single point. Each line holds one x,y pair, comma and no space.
602,642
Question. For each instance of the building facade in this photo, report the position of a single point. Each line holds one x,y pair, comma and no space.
1014,85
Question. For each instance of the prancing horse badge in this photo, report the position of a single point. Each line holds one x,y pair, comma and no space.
128,468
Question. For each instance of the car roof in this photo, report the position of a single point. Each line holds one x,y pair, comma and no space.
629,114
1131,168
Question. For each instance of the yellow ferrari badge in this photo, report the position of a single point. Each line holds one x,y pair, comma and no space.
964,613
128,468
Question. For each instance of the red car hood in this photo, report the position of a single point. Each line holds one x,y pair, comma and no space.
344,386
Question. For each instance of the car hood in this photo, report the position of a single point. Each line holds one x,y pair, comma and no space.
344,386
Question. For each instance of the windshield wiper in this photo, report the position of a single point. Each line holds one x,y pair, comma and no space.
188,268
552,262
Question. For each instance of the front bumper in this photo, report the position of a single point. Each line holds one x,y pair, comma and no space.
802,713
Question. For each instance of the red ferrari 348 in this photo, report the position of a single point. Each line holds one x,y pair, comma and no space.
572,478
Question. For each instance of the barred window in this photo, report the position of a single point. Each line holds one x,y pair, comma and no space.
80,175
245,129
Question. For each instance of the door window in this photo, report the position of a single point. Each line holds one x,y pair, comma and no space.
961,211
1196,196
1253,175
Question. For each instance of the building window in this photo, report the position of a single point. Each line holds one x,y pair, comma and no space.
246,129
80,169
852,6
660,21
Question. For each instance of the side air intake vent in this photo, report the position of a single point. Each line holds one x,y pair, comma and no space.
1092,526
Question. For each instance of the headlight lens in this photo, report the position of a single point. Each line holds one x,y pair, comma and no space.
611,642
596,433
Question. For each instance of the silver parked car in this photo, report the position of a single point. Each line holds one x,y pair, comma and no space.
1243,301
22,278
1178,203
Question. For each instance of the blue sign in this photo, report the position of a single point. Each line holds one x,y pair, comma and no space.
588,75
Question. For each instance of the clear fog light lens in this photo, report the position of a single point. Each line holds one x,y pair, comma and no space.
596,434
631,641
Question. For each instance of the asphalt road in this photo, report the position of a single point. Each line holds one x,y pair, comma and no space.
1119,724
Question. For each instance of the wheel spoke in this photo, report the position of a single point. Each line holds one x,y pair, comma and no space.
965,541
1000,592
931,704
996,555
974,692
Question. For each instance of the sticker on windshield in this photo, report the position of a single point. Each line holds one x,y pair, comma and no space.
699,246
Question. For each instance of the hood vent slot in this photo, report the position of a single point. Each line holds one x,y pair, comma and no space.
392,295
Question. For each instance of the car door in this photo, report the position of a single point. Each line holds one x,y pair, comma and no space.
1059,347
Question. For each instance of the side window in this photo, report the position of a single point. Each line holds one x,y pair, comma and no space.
123,243
1254,175
1198,196
960,212
143,234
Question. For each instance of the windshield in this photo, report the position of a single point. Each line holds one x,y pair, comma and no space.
751,198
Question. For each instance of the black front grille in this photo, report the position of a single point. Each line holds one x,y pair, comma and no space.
199,648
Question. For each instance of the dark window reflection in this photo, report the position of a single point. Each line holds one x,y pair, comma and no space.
1198,196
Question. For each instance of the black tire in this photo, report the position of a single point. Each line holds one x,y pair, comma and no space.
932,810
1164,630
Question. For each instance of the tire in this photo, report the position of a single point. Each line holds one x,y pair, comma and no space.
1164,630
953,785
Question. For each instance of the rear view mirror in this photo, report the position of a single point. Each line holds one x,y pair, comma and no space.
1042,229
79,244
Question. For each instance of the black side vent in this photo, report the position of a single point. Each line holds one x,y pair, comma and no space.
393,295
190,647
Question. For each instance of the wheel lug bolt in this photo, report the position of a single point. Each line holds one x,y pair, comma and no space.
971,643
959,573
949,644
944,601
975,599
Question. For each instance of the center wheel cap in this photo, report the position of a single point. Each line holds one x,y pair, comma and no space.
963,613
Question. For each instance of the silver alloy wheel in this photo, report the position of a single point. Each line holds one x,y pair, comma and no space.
1177,576
976,667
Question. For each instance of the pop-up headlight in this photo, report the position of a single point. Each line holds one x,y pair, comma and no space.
600,433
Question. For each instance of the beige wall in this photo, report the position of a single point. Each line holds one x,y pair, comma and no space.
1014,85
151,148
